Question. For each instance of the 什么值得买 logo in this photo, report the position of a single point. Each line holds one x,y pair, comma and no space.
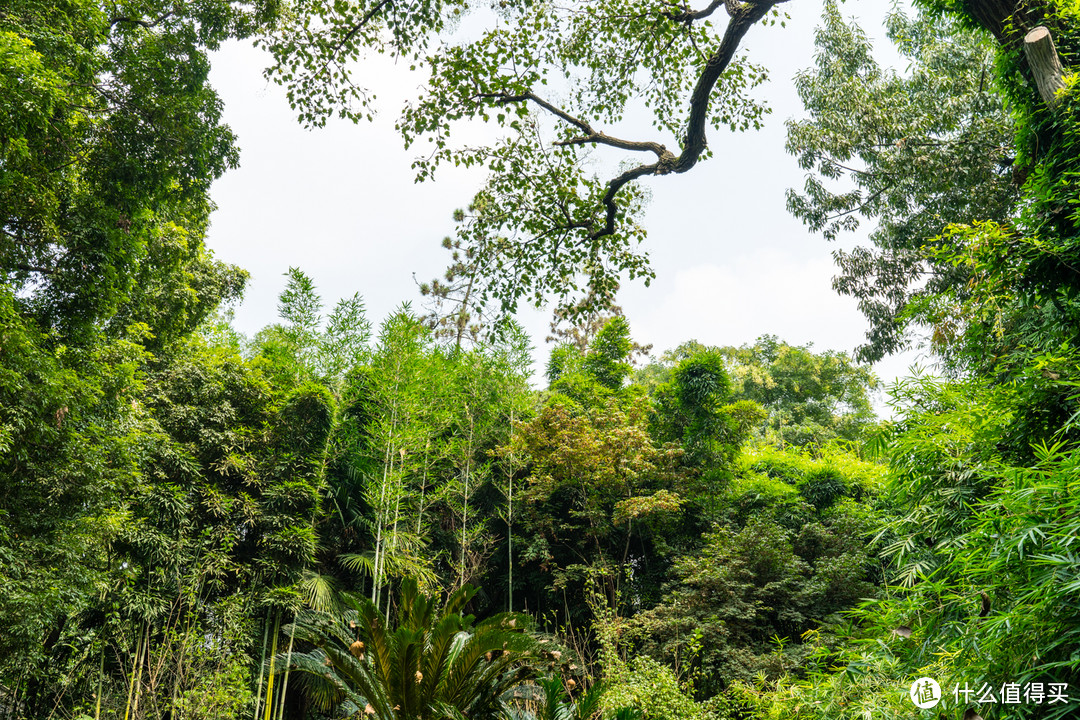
925,693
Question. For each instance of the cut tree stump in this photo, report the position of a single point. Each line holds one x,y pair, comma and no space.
1045,64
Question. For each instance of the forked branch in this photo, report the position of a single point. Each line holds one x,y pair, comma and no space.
590,135
743,16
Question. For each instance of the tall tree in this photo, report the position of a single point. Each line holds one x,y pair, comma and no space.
110,146
308,346
109,140
910,151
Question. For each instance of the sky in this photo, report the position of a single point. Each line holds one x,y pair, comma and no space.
341,204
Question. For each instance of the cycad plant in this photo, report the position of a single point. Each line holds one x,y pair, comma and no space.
431,661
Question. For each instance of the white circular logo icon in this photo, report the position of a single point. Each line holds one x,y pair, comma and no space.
925,692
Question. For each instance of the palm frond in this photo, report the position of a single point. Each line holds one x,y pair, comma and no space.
431,664
319,592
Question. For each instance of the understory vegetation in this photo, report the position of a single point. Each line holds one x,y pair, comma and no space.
338,517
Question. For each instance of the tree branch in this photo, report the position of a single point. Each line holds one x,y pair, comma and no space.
689,16
504,98
613,189
1007,20
149,25
600,138
740,24
360,25
34,268
744,16
590,136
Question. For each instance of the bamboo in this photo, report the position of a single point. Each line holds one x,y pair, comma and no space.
15,701
138,677
262,667
510,519
388,461
178,676
270,679
288,666
101,678
380,543
397,505
465,505
397,516
423,487
135,670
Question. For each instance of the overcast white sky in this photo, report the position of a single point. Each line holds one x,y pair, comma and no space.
340,203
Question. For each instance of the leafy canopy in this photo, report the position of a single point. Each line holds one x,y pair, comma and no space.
910,152
559,213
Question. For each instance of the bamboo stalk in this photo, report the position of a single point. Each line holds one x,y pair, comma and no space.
388,461
270,679
138,677
510,519
288,666
15,693
101,678
393,540
262,666
135,670
465,505
423,487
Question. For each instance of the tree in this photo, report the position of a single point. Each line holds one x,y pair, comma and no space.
742,605
544,224
578,326
109,148
693,407
912,152
596,489
457,307
607,358
307,346
812,397
396,430
109,140
70,443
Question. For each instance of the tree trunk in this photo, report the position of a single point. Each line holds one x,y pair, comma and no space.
995,15
1045,64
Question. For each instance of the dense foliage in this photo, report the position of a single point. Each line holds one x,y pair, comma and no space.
308,523
278,489
981,590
